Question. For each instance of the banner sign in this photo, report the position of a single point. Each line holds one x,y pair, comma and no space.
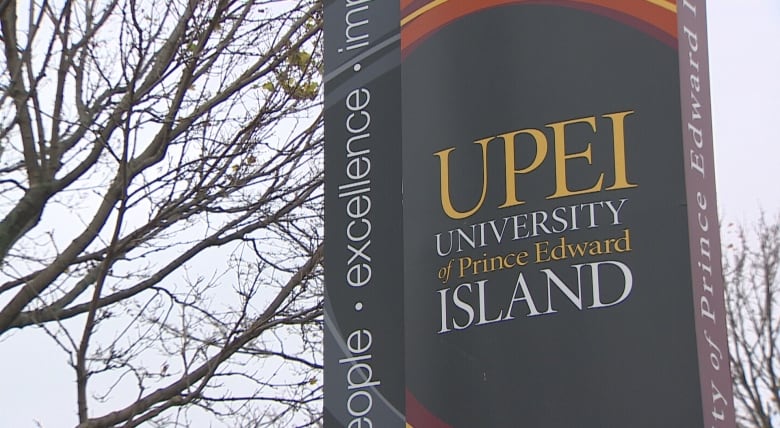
364,318
560,255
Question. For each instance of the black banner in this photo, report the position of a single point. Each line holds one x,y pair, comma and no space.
364,380
560,253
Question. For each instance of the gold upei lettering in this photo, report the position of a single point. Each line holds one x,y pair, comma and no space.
561,159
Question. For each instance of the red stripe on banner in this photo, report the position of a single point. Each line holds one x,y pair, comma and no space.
655,17
418,416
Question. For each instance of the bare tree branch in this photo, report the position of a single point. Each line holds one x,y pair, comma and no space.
751,267
160,205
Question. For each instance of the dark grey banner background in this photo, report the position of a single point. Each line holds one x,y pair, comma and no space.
631,365
381,299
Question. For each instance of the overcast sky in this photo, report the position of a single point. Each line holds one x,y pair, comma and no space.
745,71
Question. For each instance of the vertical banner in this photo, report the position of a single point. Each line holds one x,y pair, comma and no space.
521,219
364,378
561,250
703,227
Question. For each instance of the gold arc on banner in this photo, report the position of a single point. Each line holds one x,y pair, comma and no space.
672,7
414,15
